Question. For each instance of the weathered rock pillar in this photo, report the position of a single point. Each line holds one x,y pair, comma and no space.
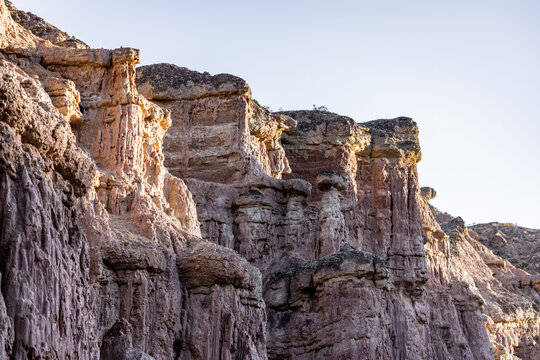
331,220
296,222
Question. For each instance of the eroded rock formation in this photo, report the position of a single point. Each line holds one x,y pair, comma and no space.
97,237
509,296
162,213
519,245
219,133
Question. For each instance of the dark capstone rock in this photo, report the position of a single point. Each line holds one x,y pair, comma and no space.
172,82
428,193
328,179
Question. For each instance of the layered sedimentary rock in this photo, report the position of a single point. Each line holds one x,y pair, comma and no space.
219,133
385,216
342,249
98,240
192,223
508,297
497,263
519,245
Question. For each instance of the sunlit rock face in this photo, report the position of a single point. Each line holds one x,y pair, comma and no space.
219,133
507,296
484,285
519,245
162,213
100,243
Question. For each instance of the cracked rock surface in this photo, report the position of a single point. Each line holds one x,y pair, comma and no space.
163,213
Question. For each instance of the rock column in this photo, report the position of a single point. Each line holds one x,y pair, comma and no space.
331,220
296,237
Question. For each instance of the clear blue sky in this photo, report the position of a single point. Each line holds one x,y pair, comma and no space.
467,71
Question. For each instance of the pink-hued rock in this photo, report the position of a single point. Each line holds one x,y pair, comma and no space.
484,285
218,132
162,213
519,245
96,234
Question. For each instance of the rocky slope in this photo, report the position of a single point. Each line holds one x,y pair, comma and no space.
162,213
509,296
519,245
43,29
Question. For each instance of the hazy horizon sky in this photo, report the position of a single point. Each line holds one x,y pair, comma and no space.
466,71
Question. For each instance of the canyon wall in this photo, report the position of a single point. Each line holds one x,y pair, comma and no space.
519,245
509,296
347,232
162,213
101,246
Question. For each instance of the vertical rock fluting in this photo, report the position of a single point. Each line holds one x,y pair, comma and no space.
370,236
379,208
331,221
47,301
96,235
487,286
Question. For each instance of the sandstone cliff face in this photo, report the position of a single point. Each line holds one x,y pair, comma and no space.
45,256
99,242
509,296
219,133
192,223
342,249
519,245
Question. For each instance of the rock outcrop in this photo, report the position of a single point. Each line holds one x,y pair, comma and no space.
162,213
98,240
43,29
519,245
219,133
507,297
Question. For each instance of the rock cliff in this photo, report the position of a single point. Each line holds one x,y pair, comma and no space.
162,213
519,245
100,244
